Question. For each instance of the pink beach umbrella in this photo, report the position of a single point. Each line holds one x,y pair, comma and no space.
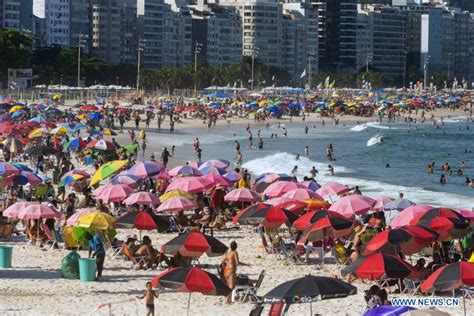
184,170
281,187
163,175
302,194
13,210
190,184
216,179
37,211
332,188
278,200
142,198
126,179
467,214
381,202
146,169
194,164
114,193
72,220
351,205
242,195
177,204
219,163
407,215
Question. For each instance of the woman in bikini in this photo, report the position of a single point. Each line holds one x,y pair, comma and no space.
230,263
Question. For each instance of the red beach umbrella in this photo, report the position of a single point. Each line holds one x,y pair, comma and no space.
194,244
379,266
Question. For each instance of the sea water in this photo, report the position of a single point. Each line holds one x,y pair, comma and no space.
396,164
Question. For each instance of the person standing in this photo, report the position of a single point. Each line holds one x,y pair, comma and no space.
149,297
229,266
165,155
97,251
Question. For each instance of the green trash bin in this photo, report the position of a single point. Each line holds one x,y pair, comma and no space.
6,256
87,269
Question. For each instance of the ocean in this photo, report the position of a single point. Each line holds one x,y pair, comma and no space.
361,154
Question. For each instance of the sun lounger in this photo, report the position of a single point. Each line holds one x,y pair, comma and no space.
242,292
137,261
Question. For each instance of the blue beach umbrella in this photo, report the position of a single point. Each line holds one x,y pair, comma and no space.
388,310
22,167
38,119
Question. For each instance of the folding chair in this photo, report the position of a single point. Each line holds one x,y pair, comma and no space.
137,261
340,263
110,250
266,248
242,292
286,254
411,287
48,235
468,292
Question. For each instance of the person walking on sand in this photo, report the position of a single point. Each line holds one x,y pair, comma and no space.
144,146
238,158
149,297
229,266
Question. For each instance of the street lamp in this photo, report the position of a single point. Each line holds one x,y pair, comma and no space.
141,47
310,57
82,41
370,56
197,50
254,55
425,70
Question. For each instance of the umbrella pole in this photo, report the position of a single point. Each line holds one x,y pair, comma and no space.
311,308
463,300
38,233
189,301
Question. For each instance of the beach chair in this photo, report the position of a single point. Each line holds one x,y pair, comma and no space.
110,250
242,292
266,248
468,292
286,254
137,261
49,235
411,287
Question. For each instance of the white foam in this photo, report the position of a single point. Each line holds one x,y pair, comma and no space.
379,126
457,119
284,162
377,139
359,128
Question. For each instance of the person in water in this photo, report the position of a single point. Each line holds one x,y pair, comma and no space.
442,179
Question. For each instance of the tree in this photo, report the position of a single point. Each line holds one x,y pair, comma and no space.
13,50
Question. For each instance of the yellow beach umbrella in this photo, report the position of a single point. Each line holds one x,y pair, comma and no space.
38,132
97,220
83,116
15,108
177,193
106,170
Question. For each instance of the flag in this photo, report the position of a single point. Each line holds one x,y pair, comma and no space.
332,84
303,73
326,82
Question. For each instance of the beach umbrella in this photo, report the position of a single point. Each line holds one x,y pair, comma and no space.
352,205
242,195
146,169
332,189
324,219
184,170
125,178
177,204
96,220
312,185
60,130
7,169
129,148
194,244
114,193
142,198
142,221
278,200
271,217
264,180
217,180
316,204
378,266
407,239
447,222
450,277
82,173
302,194
38,211
109,132
190,184
177,193
38,132
388,310
212,170
72,220
75,143
189,280
193,163
13,210
70,179
241,217
22,178
37,119
326,224
233,176
279,188
399,204
295,206
101,145
466,214
107,169
407,215
21,166
89,108
308,289
40,151
9,129
381,202
219,163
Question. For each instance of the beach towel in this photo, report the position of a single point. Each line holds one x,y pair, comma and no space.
70,266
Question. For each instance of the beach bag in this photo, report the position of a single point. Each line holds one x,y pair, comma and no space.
70,266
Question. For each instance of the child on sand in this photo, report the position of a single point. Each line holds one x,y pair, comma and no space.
149,297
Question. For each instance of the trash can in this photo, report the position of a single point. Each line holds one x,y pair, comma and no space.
87,268
6,256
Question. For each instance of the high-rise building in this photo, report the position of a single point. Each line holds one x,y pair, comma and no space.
80,22
462,24
2,4
383,40
337,34
471,48
56,14
129,32
300,41
178,32
26,16
11,14
106,30
153,22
